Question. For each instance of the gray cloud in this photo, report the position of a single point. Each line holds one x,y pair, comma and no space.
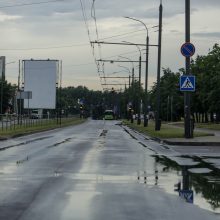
105,8
203,3
61,23
207,34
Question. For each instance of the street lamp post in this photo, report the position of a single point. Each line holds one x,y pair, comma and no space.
132,84
139,85
157,113
127,70
132,67
146,72
139,99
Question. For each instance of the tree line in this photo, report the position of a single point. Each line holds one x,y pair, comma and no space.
205,101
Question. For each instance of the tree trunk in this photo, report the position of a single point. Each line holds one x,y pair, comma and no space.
206,117
217,117
203,118
212,117
197,117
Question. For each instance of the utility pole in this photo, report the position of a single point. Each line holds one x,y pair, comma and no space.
132,87
2,90
168,101
157,113
139,98
187,110
171,108
2,60
146,83
139,85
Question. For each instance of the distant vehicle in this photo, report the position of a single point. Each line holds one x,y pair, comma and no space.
35,114
97,112
109,115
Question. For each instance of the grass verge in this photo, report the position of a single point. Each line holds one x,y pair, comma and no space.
19,130
211,126
166,132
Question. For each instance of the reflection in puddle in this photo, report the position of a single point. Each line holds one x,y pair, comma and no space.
203,182
9,169
79,202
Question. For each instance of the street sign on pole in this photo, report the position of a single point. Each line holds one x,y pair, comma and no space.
187,195
24,95
188,49
187,83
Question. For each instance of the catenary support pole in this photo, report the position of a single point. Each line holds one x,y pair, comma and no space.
157,113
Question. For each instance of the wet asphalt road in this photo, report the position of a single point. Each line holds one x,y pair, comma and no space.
94,171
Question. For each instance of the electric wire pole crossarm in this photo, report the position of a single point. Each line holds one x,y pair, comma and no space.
124,43
120,61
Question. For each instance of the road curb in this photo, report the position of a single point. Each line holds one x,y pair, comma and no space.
180,143
188,143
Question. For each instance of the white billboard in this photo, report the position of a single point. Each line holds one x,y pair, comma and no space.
40,77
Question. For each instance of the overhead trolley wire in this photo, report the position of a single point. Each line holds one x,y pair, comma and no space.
93,15
88,33
27,4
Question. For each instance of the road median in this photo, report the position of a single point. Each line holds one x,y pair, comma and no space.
174,135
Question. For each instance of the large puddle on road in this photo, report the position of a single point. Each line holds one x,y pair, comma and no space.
197,182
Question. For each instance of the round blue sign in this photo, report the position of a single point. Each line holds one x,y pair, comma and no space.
188,49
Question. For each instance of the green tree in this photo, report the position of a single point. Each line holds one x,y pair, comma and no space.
171,98
207,96
7,95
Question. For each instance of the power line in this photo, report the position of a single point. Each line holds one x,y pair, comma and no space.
88,33
93,15
119,35
46,48
65,66
27,4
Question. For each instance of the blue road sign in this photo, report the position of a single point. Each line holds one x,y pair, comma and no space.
187,195
187,83
188,50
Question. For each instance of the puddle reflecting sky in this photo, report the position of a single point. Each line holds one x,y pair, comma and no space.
205,185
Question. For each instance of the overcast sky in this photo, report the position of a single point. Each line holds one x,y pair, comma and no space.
57,30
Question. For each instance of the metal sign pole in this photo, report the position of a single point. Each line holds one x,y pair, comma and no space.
187,110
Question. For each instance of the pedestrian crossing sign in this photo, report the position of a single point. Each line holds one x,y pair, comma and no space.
187,83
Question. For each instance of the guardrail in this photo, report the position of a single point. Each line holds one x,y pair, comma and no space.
13,122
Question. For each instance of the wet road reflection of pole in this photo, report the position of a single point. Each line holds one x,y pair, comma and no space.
186,177
186,193
156,170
